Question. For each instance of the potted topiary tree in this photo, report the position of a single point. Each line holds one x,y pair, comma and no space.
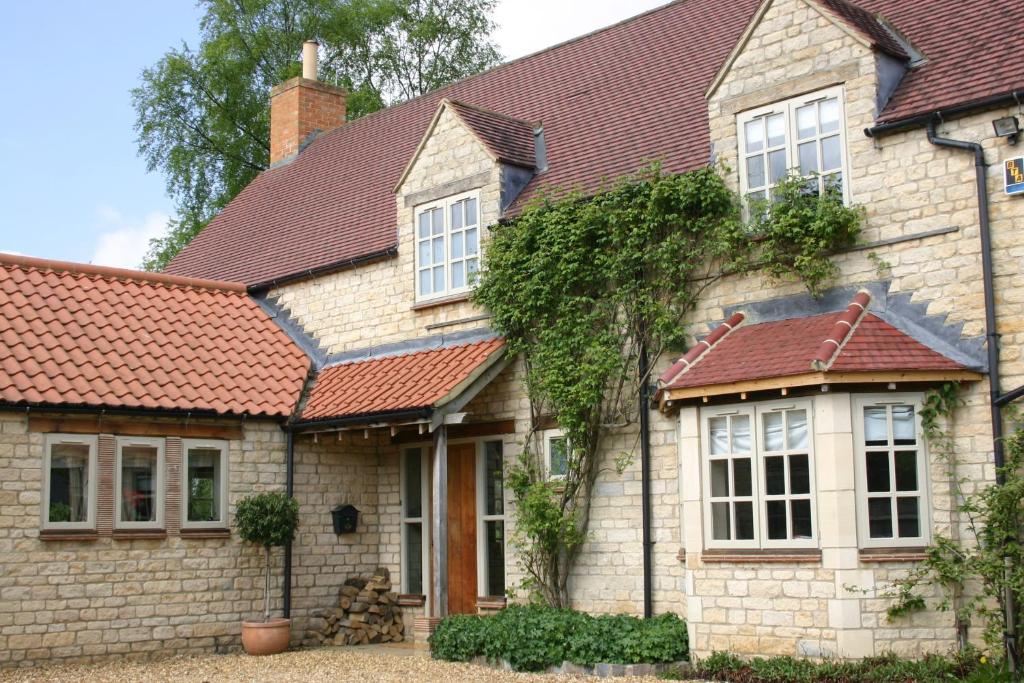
268,520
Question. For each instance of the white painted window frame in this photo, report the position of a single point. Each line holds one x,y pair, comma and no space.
923,475
548,435
788,109
211,444
159,480
754,412
482,566
93,472
445,205
423,520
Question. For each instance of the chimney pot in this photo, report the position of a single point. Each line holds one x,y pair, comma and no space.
309,58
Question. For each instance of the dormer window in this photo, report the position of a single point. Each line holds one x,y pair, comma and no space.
806,134
447,246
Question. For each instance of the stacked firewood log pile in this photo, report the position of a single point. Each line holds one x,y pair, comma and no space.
367,612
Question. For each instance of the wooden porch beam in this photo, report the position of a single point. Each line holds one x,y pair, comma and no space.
439,523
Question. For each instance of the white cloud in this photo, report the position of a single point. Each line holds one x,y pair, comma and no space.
526,26
125,241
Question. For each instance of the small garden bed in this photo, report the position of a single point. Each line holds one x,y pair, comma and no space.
534,638
966,666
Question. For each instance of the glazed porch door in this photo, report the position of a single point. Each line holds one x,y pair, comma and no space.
462,579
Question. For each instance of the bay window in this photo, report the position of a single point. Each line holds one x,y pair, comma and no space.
759,476
892,473
447,246
69,482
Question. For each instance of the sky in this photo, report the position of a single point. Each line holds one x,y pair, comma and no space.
72,186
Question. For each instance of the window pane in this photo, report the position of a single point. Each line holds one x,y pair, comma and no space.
808,152
903,426
471,217
829,115
744,521
876,428
69,483
424,253
425,224
458,275
203,485
776,514
472,242
138,475
719,478
437,216
831,157
777,165
718,428
878,472
559,456
458,240
772,431
756,196
799,474
906,470
495,473
741,434
412,503
801,510
796,429
909,517
495,540
834,183
437,246
413,552
438,279
806,121
457,210
741,479
720,529
753,133
425,281
775,475
471,267
879,518
776,130
755,171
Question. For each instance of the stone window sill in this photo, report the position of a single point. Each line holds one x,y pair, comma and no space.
139,534
205,533
490,602
440,301
411,600
892,554
796,556
68,535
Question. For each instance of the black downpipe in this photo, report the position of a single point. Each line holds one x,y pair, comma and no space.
289,488
992,344
645,480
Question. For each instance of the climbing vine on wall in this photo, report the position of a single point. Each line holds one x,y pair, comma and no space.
579,286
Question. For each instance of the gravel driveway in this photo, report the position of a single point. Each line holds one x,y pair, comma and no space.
364,665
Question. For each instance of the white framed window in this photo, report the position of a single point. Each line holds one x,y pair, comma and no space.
892,471
139,483
415,463
759,476
204,488
447,246
69,482
556,453
806,134
491,513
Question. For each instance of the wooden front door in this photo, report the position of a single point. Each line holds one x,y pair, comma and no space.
462,587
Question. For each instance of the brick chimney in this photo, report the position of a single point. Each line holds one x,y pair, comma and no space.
302,105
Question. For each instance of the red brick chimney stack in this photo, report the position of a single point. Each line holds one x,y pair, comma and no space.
302,105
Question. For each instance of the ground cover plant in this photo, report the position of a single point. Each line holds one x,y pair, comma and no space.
534,637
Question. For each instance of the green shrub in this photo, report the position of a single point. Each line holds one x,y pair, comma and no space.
267,519
534,637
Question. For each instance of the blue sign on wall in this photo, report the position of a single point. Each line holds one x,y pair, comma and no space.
1014,175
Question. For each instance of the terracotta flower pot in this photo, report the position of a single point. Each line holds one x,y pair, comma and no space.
266,637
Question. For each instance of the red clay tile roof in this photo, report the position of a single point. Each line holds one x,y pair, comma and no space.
610,102
509,140
795,347
73,334
421,379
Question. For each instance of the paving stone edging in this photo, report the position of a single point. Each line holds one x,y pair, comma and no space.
600,670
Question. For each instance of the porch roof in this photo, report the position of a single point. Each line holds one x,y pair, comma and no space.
398,384
849,346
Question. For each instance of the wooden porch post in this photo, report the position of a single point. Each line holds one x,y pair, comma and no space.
439,522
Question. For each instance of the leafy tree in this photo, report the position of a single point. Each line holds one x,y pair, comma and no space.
202,114
267,519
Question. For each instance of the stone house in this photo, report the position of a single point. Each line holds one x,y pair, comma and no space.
319,337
